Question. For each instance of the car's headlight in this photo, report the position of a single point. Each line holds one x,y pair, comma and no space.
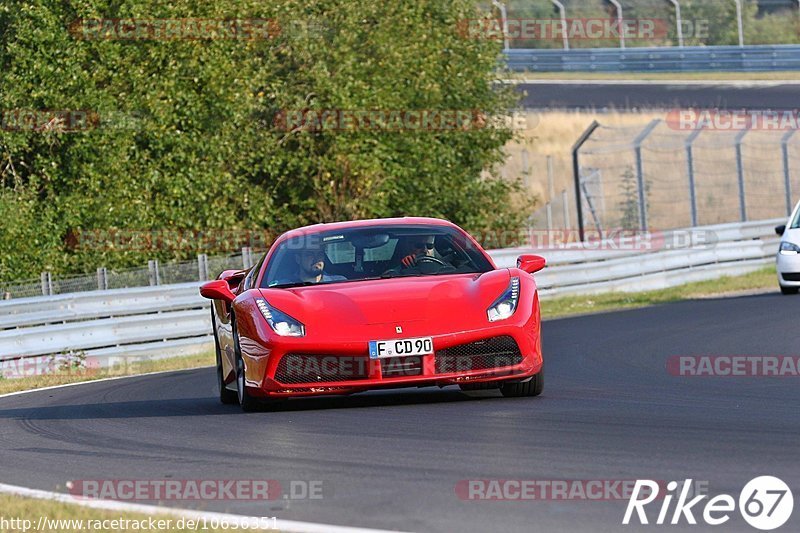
280,322
788,248
506,304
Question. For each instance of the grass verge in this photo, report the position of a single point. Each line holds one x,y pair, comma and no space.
725,286
131,367
58,517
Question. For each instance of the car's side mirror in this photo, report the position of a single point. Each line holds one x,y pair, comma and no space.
217,290
233,277
531,263
780,229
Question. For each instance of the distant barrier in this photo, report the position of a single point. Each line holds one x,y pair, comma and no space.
761,58
173,319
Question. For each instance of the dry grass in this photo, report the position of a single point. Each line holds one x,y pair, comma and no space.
133,366
610,150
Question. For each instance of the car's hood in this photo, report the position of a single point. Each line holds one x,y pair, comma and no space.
792,235
448,299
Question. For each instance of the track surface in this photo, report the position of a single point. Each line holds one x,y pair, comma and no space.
659,96
392,459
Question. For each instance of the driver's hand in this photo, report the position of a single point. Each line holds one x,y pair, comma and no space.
409,260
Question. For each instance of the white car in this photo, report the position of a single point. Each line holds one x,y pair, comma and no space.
788,260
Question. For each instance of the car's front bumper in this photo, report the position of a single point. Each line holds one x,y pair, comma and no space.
511,352
788,266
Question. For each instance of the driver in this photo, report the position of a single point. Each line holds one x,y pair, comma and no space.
418,247
311,267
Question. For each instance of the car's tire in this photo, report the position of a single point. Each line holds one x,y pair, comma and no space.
532,387
226,396
247,402
789,290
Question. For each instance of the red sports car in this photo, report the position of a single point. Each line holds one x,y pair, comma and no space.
352,306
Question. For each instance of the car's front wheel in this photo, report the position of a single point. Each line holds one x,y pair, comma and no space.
226,395
247,402
532,387
789,290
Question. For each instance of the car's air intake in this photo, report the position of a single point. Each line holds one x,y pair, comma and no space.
496,352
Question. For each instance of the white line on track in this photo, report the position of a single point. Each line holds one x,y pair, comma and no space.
292,526
706,83
101,380
112,505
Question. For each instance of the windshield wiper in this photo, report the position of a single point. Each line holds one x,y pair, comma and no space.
291,285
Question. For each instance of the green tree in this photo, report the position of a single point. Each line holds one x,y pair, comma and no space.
185,135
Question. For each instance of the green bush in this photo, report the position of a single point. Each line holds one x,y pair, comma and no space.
183,132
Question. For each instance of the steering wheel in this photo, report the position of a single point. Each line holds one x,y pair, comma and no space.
431,259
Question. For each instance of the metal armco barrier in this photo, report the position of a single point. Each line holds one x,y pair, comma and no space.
759,58
174,319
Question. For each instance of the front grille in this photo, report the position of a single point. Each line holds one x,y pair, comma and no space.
791,276
317,368
496,352
401,366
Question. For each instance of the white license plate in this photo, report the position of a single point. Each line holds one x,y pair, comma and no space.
400,347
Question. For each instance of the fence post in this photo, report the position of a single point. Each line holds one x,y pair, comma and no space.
637,146
549,210
202,267
47,284
679,21
576,174
740,172
102,279
565,208
551,188
690,164
246,257
787,171
564,29
155,276
525,168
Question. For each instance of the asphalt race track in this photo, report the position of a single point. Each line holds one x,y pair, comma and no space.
574,95
391,460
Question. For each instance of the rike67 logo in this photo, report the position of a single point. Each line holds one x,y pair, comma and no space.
766,503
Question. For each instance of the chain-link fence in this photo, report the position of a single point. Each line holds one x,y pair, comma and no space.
660,177
155,273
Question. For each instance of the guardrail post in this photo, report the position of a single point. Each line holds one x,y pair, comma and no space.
202,267
690,169
637,146
155,276
102,279
47,284
787,171
740,172
576,174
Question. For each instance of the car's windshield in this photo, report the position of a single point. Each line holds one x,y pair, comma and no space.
796,222
372,252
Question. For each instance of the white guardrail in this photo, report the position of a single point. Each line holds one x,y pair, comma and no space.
155,322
